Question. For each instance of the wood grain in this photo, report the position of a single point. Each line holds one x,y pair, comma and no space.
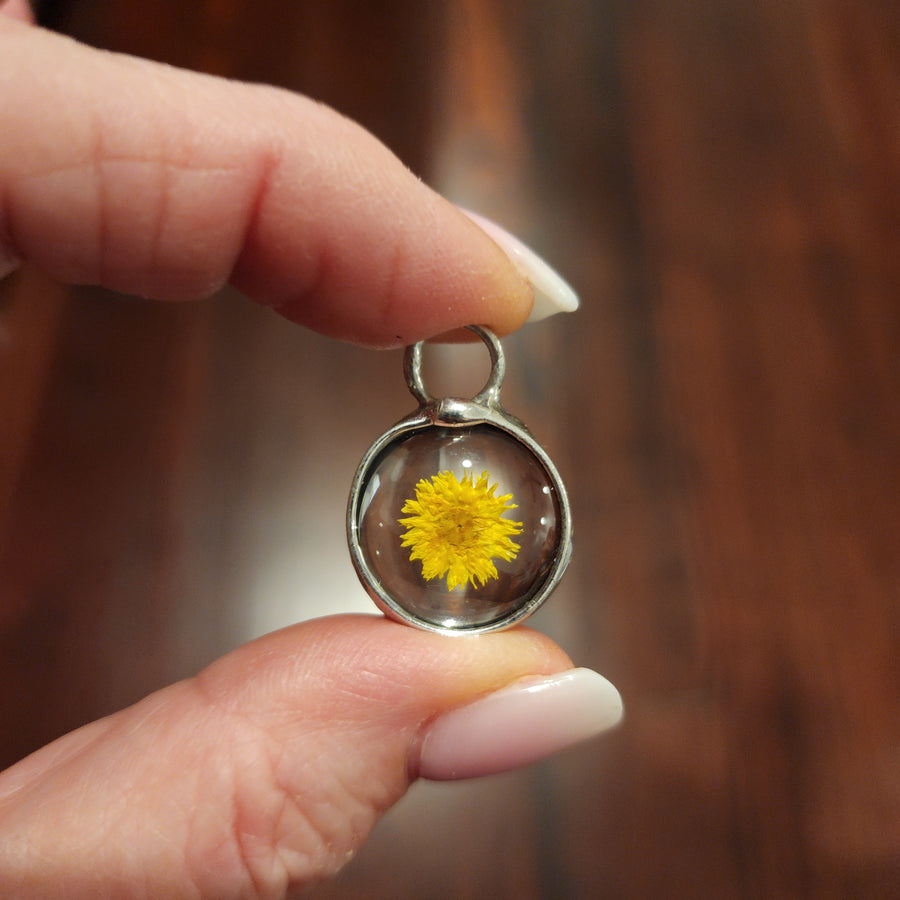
721,183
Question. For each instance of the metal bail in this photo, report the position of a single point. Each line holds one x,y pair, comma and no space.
489,395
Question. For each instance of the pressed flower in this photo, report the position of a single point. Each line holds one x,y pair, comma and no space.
456,528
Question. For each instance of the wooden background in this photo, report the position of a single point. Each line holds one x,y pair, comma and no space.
721,183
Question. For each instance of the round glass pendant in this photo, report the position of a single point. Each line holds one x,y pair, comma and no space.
458,521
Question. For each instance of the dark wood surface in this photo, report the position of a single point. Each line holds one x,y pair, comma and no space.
721,183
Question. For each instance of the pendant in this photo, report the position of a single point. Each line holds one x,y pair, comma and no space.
458,521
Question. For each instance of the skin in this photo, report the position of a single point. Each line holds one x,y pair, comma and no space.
169,184
323,723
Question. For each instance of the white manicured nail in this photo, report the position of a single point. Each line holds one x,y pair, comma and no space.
519,724
552,294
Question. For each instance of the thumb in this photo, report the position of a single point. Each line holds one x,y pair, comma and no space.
268,770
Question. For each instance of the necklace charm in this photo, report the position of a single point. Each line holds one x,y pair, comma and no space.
458,522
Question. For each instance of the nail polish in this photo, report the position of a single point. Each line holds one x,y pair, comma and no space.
519,724
552,293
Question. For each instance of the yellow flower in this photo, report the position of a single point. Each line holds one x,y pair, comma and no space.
457,529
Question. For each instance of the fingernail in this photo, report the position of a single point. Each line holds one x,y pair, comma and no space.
519,724
552,293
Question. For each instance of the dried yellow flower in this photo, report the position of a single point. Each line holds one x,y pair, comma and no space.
456,528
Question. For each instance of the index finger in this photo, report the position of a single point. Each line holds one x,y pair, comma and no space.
168,184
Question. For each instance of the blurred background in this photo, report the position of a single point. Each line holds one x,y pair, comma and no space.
721,184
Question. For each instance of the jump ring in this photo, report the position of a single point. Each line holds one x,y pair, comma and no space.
489,395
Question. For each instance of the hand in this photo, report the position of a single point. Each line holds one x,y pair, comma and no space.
267,770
